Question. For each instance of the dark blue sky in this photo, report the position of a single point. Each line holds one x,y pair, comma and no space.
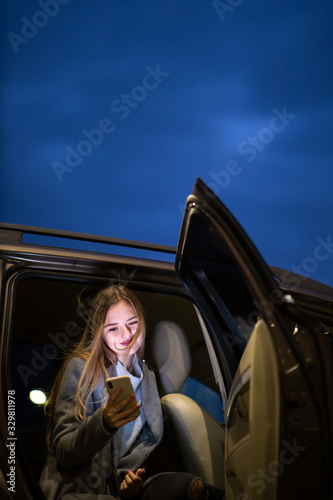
237,92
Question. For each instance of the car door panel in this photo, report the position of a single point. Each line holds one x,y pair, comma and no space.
279,414
252,423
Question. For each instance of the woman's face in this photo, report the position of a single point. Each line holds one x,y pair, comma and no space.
119,329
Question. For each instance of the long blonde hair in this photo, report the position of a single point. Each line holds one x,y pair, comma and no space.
97,355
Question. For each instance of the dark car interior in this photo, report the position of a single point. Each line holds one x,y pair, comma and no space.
48,316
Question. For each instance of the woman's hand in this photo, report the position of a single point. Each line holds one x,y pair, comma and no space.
132,482
113,416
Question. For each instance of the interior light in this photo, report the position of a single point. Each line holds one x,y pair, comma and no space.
37,396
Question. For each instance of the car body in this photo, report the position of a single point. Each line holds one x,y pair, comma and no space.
260,341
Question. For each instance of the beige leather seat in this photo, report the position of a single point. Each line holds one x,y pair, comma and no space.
195,434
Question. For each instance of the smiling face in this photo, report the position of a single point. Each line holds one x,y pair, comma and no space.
119,329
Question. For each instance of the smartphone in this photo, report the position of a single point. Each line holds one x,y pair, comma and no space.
114,383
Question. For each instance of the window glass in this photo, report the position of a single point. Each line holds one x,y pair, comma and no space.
206,397
215,279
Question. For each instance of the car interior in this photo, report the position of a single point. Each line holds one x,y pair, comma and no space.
49,315
196,435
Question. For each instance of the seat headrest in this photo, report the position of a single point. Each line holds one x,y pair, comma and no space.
170,356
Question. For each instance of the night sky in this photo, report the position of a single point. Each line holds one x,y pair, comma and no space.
111,109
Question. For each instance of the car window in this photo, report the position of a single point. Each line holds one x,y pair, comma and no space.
208,268
206,397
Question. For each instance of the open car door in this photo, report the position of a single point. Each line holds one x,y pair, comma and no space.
275,361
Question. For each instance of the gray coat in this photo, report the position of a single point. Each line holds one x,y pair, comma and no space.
86,458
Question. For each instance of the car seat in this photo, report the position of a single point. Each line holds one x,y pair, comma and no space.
194,433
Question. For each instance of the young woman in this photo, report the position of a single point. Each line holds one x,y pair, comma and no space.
98,450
